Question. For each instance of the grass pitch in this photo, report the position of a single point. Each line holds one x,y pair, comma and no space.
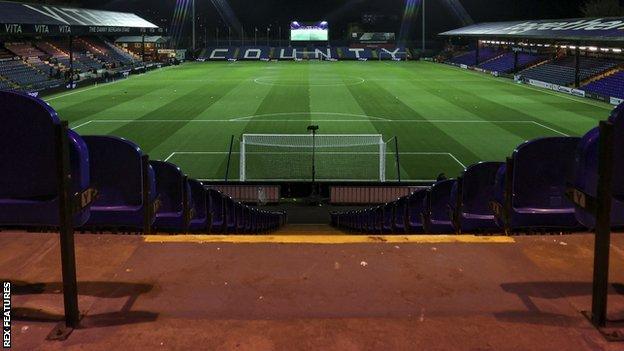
444,117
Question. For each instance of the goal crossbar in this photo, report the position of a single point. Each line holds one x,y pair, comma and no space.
289,144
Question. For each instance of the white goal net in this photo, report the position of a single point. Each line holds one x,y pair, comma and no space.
291,157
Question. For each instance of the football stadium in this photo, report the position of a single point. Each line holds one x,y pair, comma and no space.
330,175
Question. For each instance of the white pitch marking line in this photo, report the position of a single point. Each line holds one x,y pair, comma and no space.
457,160
554,130
82,125
170,156
82,90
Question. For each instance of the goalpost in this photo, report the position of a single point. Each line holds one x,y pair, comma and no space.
290,157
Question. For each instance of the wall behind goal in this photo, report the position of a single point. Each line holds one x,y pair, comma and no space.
258,53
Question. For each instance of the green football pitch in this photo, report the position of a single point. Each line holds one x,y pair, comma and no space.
443,118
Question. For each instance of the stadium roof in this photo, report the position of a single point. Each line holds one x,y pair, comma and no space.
46,20
578,29
139,39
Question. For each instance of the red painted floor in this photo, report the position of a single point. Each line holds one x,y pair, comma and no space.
135,295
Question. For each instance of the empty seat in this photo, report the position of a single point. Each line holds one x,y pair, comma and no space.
29,187
415,210
530,189
586,171
471,196
173,191
125,182
400,215
198,220
437,211
216,210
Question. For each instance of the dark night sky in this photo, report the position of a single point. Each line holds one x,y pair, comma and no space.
262,13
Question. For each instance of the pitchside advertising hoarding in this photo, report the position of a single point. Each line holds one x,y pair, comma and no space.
309,53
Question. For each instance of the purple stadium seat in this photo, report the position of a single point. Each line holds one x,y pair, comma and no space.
400,215
415,209
216,210
586,177
387,218
231,222
173,190
199,208
471,196
28,171
117,172
437,213
540,171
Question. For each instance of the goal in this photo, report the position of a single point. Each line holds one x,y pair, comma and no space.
291,157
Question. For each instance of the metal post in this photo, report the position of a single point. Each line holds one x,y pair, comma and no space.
313,158
194,18
227,169
477,54
186,206
577,68
268,35
515,69
398,160
230,36
143,47
603,226
66,229
424,37
279,41
148,208
71,62
242,36
256,36
508,196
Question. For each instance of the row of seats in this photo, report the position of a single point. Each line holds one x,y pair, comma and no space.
562,70
526,193
25,75
505,63
611,85
469,58
125,191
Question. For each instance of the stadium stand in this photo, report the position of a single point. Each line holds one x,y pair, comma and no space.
505,63
24,50
485,54
26,76
561,70
610,85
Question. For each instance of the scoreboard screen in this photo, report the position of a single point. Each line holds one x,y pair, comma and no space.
309,31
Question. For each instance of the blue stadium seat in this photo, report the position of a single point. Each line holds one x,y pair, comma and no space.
28,171
471,196
400,215
216,210
437,216
198,221
415,210
117,170
530,190
586,172
173,190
